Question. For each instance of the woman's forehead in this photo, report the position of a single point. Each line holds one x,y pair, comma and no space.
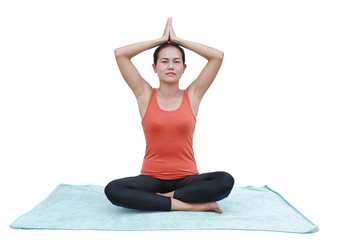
170,52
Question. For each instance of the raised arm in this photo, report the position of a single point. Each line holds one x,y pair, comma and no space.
198,88
129,72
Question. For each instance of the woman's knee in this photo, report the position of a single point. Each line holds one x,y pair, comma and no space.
113,191
225,182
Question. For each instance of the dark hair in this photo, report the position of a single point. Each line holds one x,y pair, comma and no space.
165,45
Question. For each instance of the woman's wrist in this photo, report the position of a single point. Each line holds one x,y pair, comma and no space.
162,40
177,40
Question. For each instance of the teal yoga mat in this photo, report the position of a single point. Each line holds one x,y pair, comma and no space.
72,207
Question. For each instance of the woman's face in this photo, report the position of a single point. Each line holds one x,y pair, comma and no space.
169,66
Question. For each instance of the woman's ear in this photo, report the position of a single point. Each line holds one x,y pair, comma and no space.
154,67
185,67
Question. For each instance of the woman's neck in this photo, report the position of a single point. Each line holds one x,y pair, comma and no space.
169,90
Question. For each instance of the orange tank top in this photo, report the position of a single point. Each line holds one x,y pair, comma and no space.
169,140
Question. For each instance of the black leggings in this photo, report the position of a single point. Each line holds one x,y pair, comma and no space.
140,192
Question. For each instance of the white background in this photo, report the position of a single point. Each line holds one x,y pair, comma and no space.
67,116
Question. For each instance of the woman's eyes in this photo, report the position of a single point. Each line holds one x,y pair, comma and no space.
165,61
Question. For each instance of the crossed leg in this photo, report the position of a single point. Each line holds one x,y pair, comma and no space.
193,193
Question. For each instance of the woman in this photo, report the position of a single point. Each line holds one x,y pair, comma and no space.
169,179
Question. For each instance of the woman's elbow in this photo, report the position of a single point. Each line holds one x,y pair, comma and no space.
117,52
220,55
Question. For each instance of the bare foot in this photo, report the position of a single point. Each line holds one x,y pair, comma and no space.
211,206
196,207
217,208
184,206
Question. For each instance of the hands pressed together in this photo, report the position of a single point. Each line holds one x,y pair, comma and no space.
169,34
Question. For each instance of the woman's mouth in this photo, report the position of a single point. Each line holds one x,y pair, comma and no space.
170,73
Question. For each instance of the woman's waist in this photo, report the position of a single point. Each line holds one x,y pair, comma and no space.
169,168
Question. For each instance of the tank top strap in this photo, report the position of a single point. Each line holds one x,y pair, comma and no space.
151,103
186,102
152,99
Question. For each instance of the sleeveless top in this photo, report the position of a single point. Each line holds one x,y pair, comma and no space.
169,140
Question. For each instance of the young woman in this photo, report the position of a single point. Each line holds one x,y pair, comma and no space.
169,179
